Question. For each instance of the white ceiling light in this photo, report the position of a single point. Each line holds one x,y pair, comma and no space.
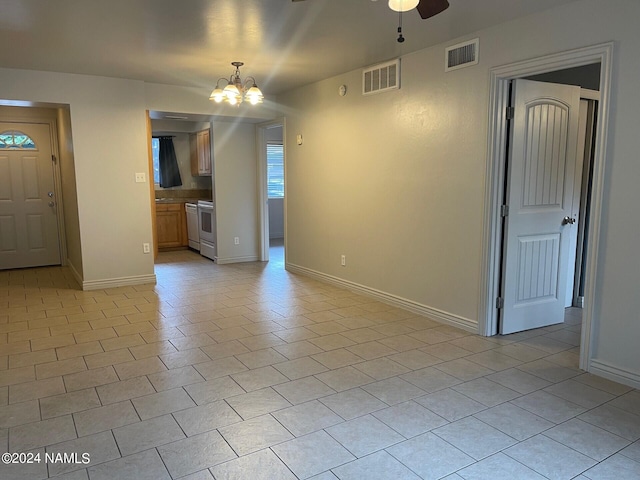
403,5
236,89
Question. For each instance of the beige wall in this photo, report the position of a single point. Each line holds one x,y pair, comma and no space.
393,181
396,181
236,199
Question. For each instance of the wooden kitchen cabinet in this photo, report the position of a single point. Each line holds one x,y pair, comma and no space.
171,225
200,145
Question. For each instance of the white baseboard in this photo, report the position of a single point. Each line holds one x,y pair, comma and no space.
612,372
433,313
224,261
118,282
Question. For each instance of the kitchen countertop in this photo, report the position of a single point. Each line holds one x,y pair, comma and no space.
179,200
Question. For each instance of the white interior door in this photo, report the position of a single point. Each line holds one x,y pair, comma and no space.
575,204
28,221
539,196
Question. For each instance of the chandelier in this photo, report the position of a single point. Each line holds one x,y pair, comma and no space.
235,91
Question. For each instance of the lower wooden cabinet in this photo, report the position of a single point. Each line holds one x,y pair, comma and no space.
171,224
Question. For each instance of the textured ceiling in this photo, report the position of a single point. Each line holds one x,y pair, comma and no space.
193,42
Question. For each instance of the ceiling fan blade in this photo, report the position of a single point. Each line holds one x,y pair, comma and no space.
429,8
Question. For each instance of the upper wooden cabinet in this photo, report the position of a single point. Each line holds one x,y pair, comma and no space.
200,144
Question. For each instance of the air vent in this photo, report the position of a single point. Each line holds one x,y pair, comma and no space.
380,78
461,55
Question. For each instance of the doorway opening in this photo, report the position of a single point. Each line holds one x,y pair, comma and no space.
186,140
31,168
501,78
271,191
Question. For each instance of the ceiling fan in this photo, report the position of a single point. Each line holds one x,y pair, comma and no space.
426,8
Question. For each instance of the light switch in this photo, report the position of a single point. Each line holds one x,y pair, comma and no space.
141,177
299,139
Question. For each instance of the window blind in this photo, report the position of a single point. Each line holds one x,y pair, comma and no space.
275,170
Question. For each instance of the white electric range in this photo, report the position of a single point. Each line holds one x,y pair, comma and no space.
207,229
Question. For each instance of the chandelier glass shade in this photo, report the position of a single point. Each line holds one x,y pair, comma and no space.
403,5
236,90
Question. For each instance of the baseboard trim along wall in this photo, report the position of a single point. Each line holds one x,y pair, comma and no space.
388,298
617,374
225,261
118,282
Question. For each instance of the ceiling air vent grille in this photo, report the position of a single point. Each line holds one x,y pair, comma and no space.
461,55
380,78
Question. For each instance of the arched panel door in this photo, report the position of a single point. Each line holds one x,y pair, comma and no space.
541,166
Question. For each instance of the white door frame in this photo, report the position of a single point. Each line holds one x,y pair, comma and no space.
494,185
263,194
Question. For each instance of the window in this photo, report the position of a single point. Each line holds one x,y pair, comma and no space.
155,149
275,170
15,140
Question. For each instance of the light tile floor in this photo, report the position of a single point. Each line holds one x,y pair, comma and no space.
249,372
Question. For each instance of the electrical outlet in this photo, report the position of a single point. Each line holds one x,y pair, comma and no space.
141,177
236,240
343,260
146,248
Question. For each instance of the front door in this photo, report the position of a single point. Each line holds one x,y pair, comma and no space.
539,195
28,221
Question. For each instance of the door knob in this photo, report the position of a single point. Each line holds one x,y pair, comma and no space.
52,204
568,220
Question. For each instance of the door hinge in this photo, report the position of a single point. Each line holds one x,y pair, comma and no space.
499,302
510,113
504,210
53,158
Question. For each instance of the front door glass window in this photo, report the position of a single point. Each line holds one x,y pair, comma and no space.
16,140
